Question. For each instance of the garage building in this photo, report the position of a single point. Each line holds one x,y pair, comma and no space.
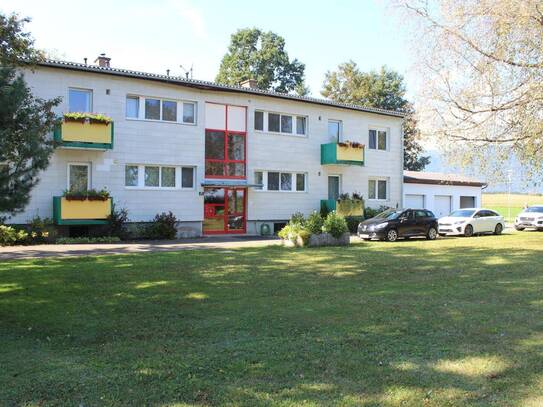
441,193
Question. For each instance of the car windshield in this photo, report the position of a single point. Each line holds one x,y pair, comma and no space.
462,213
389,214
534,209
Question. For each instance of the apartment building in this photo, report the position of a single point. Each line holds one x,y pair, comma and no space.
223,159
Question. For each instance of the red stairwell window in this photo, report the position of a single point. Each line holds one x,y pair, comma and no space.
225,154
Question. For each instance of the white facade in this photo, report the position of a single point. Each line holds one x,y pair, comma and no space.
140,142
441,199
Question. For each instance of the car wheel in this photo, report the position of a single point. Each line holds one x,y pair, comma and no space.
432,234
499,229
468,231
392,235
519,228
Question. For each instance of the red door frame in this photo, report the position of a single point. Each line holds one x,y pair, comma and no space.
225,215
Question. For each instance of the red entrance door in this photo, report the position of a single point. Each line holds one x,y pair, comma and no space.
224,210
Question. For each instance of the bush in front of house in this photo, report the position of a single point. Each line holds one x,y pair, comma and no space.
314,223
164,226
118,223
9,236
352,223
371,212
88,240
335,225
295,233
41,230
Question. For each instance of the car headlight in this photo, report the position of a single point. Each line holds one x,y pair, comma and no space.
459,222
381,225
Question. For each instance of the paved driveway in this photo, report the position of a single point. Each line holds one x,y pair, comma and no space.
66,250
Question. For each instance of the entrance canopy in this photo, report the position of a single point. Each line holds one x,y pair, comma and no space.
234,183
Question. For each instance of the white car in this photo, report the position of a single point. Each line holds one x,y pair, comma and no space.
531,217
471,221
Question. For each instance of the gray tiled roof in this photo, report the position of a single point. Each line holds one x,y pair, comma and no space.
416,177
206,85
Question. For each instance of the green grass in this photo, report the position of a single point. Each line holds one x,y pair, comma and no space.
513,204
454,322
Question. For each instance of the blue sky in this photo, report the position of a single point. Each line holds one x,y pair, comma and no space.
156,35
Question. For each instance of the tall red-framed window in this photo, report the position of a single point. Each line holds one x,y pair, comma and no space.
225,141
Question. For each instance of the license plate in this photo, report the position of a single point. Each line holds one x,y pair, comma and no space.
364,236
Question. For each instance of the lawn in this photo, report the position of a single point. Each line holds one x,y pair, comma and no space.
454,322
501,203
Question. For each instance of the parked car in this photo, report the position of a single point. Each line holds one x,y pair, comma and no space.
531,217
471,221
395,223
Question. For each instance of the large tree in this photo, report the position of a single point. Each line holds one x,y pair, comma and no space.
383,89
25,121
481,64
259,55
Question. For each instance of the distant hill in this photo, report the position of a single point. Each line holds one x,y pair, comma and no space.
439,164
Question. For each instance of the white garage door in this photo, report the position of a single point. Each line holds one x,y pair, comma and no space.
414,201
442,205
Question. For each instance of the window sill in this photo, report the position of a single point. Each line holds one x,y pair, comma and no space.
273,133
132,119
378,200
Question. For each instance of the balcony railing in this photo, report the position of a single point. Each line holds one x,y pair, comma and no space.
85,134
81,211
342,154
344,207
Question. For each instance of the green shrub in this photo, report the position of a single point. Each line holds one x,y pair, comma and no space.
117,222
314,223
352,222
294,230
371,212
89,240
335,225
41,230
82,117
297,217
10,236
90,194
163,226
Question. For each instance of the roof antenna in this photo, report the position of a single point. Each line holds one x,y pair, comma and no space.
187,72
167,72
85,59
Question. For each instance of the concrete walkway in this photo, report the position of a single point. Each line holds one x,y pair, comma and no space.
70,250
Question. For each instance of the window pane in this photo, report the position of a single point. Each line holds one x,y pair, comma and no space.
286,181
371,189
214,168
79,100
236,147
235,201
273,122
300,125
167,177
215,145
273,181
286,124
259,179
187,177
169,111
151,176
152,109
373,139
300,182
188,113
235,169
79,177
259,120
382,189
333,129
382,140
132,107
131,175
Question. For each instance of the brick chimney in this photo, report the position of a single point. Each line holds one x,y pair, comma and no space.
102,61
249,83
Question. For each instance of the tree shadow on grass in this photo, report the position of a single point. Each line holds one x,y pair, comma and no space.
366,325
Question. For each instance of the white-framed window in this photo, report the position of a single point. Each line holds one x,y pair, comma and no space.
158,109
280,123
378,189
80,100
281,181
150,176
378,139
335,129
79,176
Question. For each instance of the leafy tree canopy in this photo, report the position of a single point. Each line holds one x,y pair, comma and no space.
259,55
